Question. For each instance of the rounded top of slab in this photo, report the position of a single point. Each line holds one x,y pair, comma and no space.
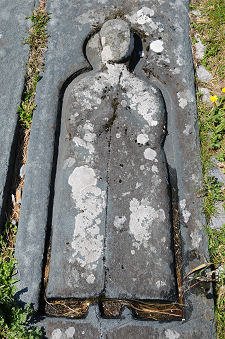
117,41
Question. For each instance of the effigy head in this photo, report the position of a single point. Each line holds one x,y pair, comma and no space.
116,40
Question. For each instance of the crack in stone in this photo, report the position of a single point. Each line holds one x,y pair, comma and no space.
109,129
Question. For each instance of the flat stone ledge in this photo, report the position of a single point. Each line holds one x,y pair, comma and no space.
13,58
98,328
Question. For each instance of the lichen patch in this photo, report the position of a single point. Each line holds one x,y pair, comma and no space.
157,46
142,139
89,200
186,214
141,219
149,154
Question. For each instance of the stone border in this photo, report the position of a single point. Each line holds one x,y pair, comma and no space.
176,80
14,55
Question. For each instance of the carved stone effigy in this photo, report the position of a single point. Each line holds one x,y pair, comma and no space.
112,199
111,225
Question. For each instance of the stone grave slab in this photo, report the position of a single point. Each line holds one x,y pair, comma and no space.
114,151
120,205
14,56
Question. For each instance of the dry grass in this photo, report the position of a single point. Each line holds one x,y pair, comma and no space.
37,41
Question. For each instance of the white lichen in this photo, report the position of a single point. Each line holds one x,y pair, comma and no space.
149,154
142,139
141,220
196,239
119,222
157,46
171,334
89,200
186,214
70,332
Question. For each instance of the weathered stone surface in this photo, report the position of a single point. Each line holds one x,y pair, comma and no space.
65,329
13,56
167,62
187,331
203,74
116,40
199,48
217,220
205,95
112,191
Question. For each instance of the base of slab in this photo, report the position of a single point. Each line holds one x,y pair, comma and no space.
95,327
113,309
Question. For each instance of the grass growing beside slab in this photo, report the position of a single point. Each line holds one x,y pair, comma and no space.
14,320
37,42
12,317
209,23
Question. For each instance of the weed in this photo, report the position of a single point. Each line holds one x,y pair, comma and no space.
37,42
13,319
211,27
209,24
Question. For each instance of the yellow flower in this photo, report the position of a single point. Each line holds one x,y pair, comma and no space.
223,90
213,98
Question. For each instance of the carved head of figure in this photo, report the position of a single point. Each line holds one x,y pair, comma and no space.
117,41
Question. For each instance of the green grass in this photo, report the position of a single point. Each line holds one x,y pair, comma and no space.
217,252
37,42
14,320
210,25
212,132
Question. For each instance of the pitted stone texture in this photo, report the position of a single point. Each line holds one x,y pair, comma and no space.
203,74
13,57
190,330
117,40
66,329
218,220
162,20
112,191
205,95
199,48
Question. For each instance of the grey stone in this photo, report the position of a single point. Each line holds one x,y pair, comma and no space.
116,40
65,329
216,171
196,13
205,95
203,74
199,49
13,55
166,27
187,331
218,220
22,171
109,148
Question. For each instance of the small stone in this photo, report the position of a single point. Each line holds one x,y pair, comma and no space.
22,171
18,197
199,50
205,95
216,171
196,13
203,74
13,199
218,219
